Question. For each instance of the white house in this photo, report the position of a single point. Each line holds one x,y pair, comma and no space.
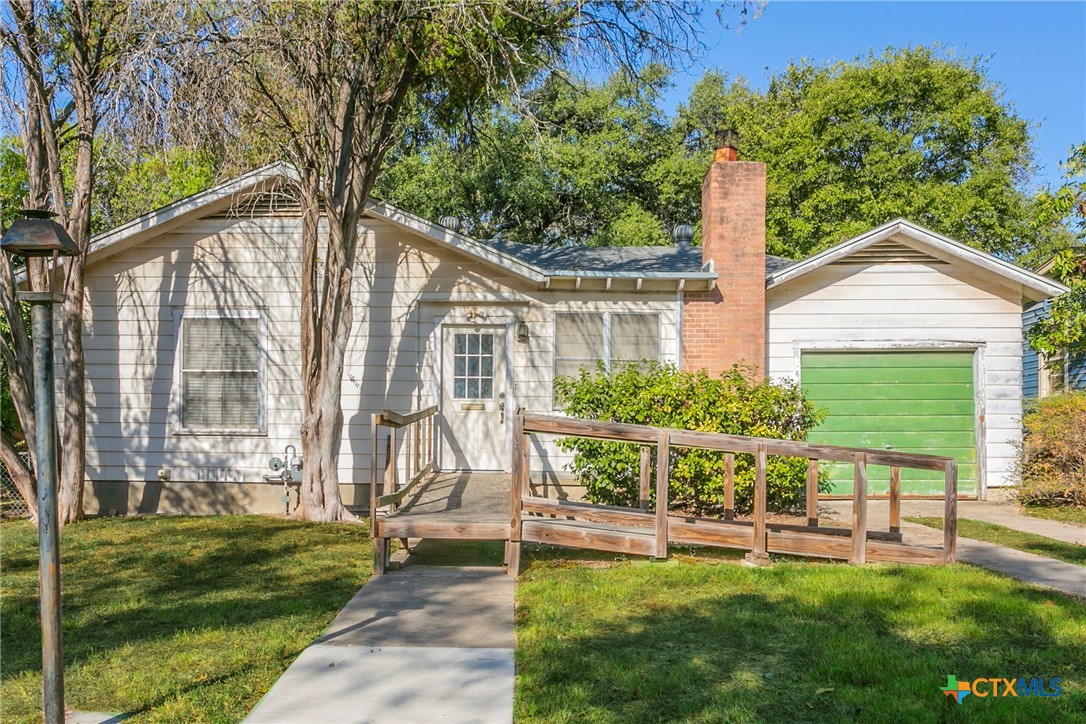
909,339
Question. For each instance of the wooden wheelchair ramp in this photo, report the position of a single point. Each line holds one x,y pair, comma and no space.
432,505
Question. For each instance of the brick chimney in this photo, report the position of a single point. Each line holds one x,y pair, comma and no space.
726,324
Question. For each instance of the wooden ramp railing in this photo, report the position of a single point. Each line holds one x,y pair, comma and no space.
418,445
648,530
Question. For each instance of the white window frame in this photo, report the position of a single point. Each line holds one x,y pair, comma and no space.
177,396
606,356
1046,370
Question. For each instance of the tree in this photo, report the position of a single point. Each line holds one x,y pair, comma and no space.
1064,328
915,132
69,67
577,164
329,83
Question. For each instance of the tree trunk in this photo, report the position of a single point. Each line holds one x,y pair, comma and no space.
326,328
73,416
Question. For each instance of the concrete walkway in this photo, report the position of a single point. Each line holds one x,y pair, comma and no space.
1004,513
422,644
1039,570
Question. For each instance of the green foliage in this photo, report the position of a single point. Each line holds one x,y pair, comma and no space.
129,184
595,164
1064,328
914,132
665,396
1052,470
13,180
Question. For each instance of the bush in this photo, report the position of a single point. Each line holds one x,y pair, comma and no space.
665,396
1052,470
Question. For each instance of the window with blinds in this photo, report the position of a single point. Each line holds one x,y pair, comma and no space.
582,339
220,373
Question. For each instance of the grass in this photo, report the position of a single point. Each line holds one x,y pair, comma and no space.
1062,513
1011,538
697,640
174,619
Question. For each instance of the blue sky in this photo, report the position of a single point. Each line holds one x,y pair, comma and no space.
1038,52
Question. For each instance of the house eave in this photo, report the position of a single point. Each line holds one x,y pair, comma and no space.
1034,286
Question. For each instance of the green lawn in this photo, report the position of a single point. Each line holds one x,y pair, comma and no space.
1001,535
714,641
176,619
1062,513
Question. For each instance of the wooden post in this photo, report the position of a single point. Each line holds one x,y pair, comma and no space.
950,513
895,499
663,456
418,446
645,473
430,439
729,486
812,492
859,510
380,555
408,429
516,486
373,475
390,468
759,555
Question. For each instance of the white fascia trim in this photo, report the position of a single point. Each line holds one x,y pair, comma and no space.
454,240
1035,282
274,171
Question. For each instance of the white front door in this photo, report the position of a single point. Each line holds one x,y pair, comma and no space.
473,399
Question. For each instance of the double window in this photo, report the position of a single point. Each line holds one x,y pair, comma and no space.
581,339
220,373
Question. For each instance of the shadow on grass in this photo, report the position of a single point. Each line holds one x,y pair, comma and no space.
796,642
134,580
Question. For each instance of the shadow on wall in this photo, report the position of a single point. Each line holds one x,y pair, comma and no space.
130,338
241,266
395,349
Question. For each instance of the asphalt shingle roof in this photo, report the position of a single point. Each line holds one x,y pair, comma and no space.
558,260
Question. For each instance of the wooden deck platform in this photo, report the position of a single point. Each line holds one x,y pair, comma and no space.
472,506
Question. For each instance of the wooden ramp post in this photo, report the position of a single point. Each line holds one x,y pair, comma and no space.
663,455
812,492
895,499
518,486
950,513
859,510
759,555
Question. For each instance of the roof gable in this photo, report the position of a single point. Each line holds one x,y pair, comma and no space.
901,241
535,264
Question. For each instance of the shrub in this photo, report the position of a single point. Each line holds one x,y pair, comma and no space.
665,396
1052,469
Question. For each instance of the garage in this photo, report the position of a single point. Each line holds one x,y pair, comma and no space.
913,401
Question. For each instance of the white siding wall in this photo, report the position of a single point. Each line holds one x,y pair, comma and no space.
908,305
403,283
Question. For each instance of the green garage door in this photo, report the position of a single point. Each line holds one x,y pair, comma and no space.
919,402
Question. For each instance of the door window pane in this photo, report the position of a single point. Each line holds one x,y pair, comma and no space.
473,365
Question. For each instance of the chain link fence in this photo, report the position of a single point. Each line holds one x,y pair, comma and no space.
12,504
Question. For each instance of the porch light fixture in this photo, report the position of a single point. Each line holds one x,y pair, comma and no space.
522,331
34,237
